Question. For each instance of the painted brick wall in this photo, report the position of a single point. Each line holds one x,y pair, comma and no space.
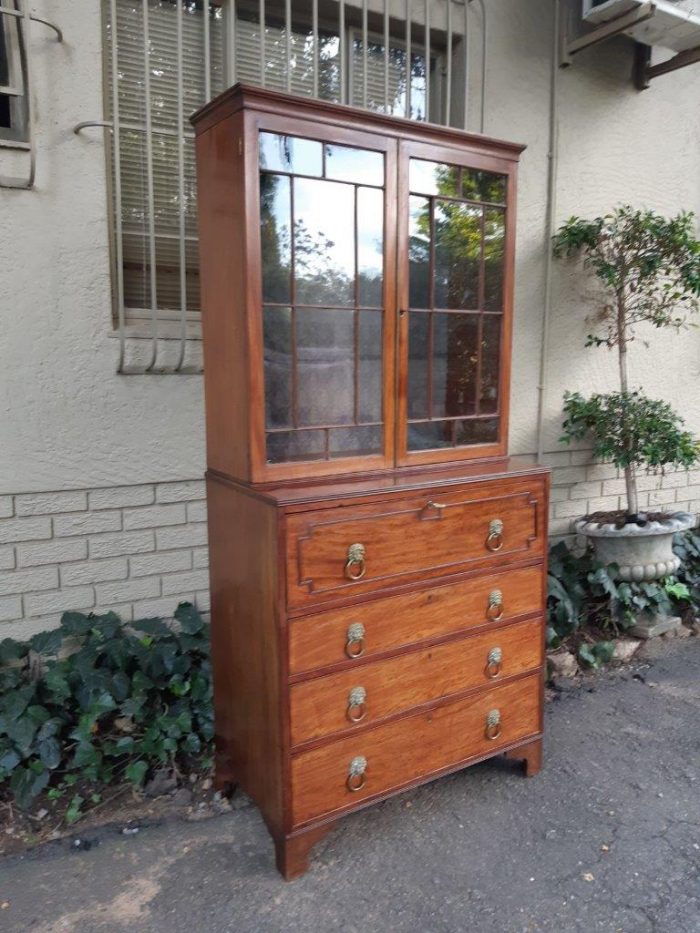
580,487
138,550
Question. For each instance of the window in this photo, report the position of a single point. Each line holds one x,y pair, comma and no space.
13,102
169,57
164,74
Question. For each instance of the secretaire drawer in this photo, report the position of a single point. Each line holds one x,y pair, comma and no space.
343,773
350,699
334,552
375,626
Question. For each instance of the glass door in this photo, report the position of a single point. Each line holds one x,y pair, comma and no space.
454,295
327,248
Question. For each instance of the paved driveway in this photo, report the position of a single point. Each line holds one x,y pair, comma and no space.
606,838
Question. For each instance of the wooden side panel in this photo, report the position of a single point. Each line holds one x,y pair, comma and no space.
246,647
324,706
406,751
222,259
390,624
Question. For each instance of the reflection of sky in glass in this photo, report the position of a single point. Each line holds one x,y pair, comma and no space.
326,210
359,165
291,154
432,178
279,208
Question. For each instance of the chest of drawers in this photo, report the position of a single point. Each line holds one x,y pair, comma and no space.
377,560
370,636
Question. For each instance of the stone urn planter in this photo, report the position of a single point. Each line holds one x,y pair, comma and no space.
641,553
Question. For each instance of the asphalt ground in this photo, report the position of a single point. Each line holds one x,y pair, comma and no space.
605,838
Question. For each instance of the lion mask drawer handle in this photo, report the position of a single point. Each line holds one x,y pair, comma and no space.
494,660
357,704
356,779
494,611
355,567
494,541
493,724
355,645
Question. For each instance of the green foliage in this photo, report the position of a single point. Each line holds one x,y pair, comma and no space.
649,269
583,594
629,429
648,265
129,698
595,655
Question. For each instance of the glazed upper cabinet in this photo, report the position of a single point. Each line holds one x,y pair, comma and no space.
374,327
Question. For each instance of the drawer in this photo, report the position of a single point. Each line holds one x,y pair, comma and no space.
398,753
351,699
386,624
339,552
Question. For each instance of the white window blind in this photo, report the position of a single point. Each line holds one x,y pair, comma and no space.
13,101
156,204
167,58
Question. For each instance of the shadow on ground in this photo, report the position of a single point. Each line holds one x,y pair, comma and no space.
606,838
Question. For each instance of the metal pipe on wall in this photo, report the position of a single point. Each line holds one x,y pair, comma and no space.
550,221
182,254
409,14
387,41
116,156
484,53
426,40
150,187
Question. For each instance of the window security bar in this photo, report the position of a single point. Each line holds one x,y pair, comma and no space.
166,58
21,13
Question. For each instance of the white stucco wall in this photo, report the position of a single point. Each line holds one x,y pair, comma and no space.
70,423
67,419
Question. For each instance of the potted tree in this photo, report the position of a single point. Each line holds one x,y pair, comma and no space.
649,269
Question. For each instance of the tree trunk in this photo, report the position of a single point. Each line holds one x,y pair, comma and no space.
631,484
630,477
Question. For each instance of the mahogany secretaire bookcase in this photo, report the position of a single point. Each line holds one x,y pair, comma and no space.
377,560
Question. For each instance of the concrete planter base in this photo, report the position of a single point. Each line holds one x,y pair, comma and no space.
641,553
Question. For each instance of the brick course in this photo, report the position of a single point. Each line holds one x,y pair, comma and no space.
139,550
580,487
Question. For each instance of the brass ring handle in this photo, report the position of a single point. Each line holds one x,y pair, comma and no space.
493,663
355,567
493,725
357,704
494,610
356,779
494,541
355,645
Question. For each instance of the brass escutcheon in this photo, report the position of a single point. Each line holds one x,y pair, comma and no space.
356,779
494,610
493,663
357,704
494,541
493,724
355,645
355,566
432,509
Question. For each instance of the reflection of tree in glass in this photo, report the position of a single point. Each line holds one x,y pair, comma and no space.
490,363
483,186
494,241
319,280
459,240
274,237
